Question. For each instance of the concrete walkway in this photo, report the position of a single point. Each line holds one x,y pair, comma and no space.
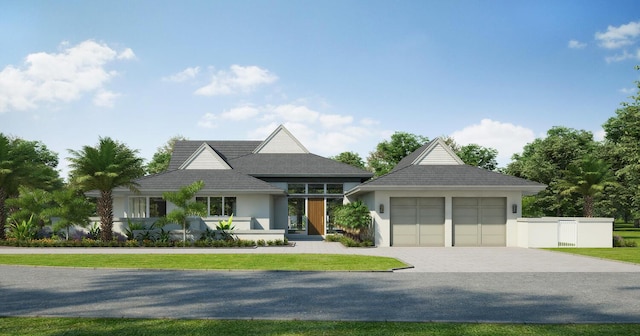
430,260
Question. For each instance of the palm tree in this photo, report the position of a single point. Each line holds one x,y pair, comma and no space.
185,206
587,177
107,166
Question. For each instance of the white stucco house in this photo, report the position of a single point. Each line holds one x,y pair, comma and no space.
277,188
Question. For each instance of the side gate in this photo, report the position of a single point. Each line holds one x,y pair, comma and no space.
567,233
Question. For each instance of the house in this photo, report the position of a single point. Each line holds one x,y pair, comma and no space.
276,188
273,188
431,198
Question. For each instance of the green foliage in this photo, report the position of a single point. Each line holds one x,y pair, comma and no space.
106,166
621,242
389,153
547,161
131,227
587,177
225,228
160,160
24,163
23,230
31,203
348,242
71,208
94,232
186,206
350,158
478,156
354,218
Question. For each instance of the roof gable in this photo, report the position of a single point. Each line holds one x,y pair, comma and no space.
281,141
205,157
437,153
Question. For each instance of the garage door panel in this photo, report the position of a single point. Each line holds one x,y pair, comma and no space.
479,221
417,221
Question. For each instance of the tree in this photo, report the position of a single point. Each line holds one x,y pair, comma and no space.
106,166
389,153
587,177
353,217
622,141
478,156
160,160
350,158
31,204
547,161
186,206
71,207
24,163
473,154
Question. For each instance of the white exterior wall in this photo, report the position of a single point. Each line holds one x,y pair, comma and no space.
383,224
543,232
256,206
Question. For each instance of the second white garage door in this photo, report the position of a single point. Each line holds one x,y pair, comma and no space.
417,221
479,221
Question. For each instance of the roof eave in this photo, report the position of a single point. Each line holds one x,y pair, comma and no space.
527,190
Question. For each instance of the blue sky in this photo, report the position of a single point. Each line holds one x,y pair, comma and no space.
340,75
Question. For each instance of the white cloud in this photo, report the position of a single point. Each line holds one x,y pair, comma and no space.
57,77
240,113
292,113
617,37
507,138
208,121
105,98
335,120
599,135
184,75
575,44
629,90
127,54
624,56
238,79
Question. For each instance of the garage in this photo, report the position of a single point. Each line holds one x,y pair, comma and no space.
417,221
479,221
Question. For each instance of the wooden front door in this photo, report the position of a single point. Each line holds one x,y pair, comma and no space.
316,216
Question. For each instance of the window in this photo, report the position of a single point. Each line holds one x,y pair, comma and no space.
335,188
219,206
296,188
316,188
137,207
157,207
144,207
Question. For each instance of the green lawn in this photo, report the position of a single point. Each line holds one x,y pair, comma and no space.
297,262
628,254
159,327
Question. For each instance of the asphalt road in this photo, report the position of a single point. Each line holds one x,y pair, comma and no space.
552,297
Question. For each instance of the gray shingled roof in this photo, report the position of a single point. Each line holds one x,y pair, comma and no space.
408,160
221,180
295,165
447,176
228,150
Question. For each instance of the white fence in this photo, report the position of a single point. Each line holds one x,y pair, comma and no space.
565,232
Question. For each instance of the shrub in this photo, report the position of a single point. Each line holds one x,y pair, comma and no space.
618,241
261,242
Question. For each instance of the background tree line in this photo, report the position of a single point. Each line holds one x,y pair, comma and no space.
584,177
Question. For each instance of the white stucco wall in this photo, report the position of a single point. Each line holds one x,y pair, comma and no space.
543,232
383,225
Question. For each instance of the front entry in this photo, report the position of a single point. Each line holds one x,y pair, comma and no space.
316,216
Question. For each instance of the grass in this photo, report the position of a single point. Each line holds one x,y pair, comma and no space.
284,262
627,254
160,327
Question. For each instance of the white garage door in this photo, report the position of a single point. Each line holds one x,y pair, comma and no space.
417,221
479,221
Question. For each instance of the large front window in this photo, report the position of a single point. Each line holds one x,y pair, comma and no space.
219,205
145,207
